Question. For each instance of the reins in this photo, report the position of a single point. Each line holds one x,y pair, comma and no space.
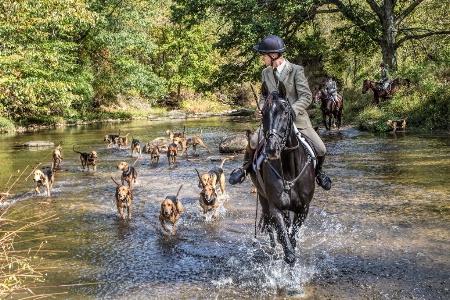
281,140
256,153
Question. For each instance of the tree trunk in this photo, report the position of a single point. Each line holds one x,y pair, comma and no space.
389,34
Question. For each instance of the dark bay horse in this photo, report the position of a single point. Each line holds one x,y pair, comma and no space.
285,179
378,92
329,108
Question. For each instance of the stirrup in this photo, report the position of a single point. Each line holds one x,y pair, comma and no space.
237,176
324,181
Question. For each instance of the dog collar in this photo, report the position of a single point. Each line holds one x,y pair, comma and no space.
127,172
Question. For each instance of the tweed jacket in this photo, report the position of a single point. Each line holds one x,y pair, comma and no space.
384,76
297,91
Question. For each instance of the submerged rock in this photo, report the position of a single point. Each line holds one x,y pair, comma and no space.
38,144
233,143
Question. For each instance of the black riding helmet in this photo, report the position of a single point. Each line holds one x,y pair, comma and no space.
271,44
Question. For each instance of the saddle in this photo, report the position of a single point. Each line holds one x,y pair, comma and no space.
388,89
335,101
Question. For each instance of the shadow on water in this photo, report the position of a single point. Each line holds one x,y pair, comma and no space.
380,233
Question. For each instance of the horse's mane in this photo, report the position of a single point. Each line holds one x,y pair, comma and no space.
274,96
268,100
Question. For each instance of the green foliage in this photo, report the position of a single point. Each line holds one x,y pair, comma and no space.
66,61
6,125
39,63
242,25
201,103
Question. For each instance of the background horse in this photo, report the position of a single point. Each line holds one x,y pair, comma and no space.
329,108
379,92
285,179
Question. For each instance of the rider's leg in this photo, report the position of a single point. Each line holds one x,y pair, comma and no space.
238,175
386,88
321,178
335,97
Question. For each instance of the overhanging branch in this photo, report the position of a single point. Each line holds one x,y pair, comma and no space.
407,11
409,36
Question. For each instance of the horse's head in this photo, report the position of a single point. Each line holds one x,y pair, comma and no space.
318,95
405,81
278,117
366,86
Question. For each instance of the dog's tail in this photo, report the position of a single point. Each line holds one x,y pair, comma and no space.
75,150
223,160
178,193
115,181
200,178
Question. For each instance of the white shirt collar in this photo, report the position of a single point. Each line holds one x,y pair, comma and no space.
281,67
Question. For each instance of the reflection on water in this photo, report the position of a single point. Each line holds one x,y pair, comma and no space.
380,233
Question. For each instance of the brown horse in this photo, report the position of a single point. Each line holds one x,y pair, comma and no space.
285,177
329,107
379,92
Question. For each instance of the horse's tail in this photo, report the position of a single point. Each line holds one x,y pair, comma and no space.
408,82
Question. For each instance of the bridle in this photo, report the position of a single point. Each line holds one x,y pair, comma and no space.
280,138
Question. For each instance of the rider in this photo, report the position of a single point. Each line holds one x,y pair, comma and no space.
277,69
384,78
331,87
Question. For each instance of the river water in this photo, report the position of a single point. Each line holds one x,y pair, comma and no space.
381,232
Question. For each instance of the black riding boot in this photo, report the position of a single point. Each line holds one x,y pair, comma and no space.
322,179
238,175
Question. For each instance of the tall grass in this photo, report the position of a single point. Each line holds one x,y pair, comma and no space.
20,268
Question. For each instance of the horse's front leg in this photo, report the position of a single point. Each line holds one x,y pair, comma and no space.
266,222
297,224
324,120
375,100
283,235
266,225
339,118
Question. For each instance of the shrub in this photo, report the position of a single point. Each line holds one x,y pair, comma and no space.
6,125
